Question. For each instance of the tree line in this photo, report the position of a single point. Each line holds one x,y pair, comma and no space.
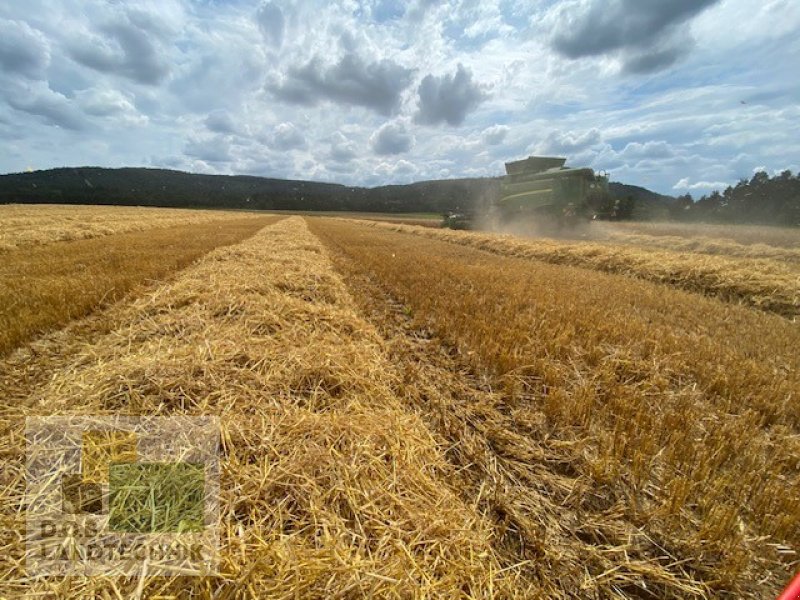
761,200
162,187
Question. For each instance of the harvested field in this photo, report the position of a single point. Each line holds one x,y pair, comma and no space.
23,225
777,237
330,485
421,219
767,284
679,410
404,416
620,234
49,285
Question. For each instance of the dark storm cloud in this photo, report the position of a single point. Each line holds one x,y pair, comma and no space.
377,86
645,32
448,98
127,48
23,50
391,138
271,22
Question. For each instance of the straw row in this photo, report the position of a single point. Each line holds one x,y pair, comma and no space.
24,225
769,285
331,486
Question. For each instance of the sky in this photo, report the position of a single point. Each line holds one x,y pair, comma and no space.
679,96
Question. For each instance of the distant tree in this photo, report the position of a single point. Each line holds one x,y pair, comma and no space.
761,199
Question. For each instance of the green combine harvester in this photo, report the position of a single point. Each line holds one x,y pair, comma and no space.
543,190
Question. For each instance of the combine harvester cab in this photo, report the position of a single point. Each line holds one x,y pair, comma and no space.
543,189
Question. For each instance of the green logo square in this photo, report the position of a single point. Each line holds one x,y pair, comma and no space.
156,497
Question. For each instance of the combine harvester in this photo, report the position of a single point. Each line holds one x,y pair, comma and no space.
541,189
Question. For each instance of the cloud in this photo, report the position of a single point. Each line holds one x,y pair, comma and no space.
271,23
213,149
220,121
652,149
685,184
569,142
494,135
448,98
377,85
222,69
646,35
418,9
391,138
108,103
342,149
218,66
126,47
287,137
400,171
23,50
53,107
663,54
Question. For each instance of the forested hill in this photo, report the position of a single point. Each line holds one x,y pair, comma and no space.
160,187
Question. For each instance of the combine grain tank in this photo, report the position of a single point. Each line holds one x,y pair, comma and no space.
543,188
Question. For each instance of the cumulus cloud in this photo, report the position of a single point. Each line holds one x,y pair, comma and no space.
287,137
686,184
448,98
220,121
648,36
99,102
652,149
377,85
218,68
342,149
400,171
23,50
391,138
558,142
222,70
491,136
53,107
214,149
271,22
127,47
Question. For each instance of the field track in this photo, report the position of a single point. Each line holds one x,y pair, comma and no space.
403,416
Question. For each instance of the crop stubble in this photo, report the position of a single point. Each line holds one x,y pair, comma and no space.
330,485
684,408
47,286
501,427
771,284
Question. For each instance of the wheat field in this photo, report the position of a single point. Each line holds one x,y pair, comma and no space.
407,412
